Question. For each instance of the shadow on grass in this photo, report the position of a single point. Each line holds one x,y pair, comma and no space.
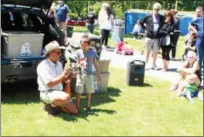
84,115
27,92
20,93
172,70
143,85
97,99
169,70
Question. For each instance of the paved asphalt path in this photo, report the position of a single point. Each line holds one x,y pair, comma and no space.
120,61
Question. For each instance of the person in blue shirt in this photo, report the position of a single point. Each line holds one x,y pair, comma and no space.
198,23
62,11
87,60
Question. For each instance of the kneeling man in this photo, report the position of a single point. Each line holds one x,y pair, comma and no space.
50,78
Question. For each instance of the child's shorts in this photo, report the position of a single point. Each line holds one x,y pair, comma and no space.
85,84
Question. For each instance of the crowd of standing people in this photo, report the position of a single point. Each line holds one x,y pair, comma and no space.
162,32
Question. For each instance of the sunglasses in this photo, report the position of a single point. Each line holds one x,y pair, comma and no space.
156,9
56,52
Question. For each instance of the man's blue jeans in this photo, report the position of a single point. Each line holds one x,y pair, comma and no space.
90,27
200,56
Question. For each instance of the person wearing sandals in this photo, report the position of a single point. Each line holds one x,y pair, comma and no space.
165,31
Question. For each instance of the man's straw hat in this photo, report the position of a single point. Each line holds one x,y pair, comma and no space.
52,46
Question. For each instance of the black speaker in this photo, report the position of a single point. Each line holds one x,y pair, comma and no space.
135,73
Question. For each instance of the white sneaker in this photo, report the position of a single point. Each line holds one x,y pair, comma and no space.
104,47
154,66
148,66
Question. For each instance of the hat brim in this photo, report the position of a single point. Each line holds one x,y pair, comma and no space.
61,47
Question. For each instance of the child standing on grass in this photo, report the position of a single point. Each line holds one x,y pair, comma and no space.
86,59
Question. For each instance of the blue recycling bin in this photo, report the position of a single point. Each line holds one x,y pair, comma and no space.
184,23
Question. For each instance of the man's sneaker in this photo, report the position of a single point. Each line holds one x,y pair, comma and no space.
54,111
173,59
154,67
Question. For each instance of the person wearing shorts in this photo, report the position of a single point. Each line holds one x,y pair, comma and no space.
151,24
50,78
86,59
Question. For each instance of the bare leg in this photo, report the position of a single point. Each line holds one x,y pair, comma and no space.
167,65
78,98
180,89
188,95
164,63
62,100
155,57
66,105
147,56
89,100
71,108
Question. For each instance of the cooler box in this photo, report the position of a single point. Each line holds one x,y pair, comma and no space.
22,44
103,85
104,65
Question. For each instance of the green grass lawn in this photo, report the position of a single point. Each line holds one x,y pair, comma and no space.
138,44
123,110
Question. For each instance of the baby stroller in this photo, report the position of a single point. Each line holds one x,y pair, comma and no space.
122,47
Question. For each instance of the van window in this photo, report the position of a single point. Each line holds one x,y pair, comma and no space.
7,21
28,23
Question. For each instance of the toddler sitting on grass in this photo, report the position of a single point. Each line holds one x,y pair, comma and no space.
189,87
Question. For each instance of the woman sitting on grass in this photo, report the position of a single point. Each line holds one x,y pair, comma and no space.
189,67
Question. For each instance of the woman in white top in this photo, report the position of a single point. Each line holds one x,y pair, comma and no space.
105,24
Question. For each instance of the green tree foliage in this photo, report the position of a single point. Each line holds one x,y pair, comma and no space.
80,7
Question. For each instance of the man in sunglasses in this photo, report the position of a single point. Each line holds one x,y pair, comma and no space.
50,78
152,23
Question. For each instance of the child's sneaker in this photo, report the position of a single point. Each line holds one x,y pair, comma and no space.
89,111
